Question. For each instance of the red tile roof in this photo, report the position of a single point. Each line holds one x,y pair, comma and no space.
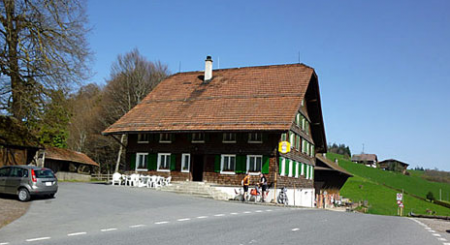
68,155
238,99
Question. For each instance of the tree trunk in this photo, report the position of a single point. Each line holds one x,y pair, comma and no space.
120,152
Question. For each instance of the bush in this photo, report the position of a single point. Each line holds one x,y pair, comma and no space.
430,196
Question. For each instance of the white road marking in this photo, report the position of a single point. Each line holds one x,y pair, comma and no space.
258,211
246,212
136,226
233,213
77,233
428,228
4,243
181,220
161,222
436,234
219,215
442,239
108,229
446,243
295,229
38,239
202,217
269,210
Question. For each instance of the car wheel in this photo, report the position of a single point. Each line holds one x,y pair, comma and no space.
23,195
51,195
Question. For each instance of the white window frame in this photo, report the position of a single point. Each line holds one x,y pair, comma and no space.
251,140
248,164
297,119
198,140
311,174
291,167
137,161
307,172
160,155
222,158
283,166
297,169
228,141
183,162
165,141
142,141
292,139
303,123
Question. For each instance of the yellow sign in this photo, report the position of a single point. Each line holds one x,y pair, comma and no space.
284,147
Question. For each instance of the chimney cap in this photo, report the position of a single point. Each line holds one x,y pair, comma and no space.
208,58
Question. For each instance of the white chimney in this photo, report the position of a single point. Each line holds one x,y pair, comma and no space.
208,69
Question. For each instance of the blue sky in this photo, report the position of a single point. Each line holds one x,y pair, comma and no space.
383,66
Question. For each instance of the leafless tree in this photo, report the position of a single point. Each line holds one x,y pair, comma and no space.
42,47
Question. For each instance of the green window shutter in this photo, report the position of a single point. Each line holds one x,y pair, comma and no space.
152,161
286,167
133,161
266,163
173,162
294,168
217,163
241,164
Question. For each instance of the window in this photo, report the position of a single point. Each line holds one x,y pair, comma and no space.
307,127
297,142
303,122
307,171
311,176
283,167
283,137
141,161
19,172
254,163
312,151
302,170
298,119
291,139
198,137
4,172
229,137
297,165
228,164
164,162
290,167
143,138
165,138
185,162
255,138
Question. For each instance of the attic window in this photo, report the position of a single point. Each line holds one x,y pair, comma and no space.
198,137
229,137
165,138
143,138
254,138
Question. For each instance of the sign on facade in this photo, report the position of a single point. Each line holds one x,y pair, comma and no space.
284,147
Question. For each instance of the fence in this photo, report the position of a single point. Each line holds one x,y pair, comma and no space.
101,177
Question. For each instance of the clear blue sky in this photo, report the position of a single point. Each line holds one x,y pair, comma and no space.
383,66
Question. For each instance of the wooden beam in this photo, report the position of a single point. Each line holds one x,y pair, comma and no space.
118,141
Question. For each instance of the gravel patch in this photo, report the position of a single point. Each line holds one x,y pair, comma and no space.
11,209
439,225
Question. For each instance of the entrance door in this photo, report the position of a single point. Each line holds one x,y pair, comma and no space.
197,170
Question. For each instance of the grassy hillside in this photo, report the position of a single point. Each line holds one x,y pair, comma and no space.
371,184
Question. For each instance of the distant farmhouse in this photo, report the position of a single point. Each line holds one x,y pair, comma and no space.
370,160
393,165
216,126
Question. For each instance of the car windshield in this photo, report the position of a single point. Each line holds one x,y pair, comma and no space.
44,173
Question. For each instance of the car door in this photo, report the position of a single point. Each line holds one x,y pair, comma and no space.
14,179
4,174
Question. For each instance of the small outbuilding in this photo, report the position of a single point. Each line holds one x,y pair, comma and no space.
393,165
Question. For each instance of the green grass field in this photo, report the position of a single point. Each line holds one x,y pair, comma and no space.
367,184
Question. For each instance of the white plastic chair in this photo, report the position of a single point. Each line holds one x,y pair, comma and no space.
116,178
157,182
167,181
133,180
144,181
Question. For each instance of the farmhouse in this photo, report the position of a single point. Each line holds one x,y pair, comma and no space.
370,160
215,126
393,165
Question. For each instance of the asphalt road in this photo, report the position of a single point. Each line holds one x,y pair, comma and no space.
98,214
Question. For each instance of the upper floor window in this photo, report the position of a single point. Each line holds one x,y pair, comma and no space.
283,137
228,164
255,137
198,137
297,142
165,138
143,138
254,163
292,139
229,137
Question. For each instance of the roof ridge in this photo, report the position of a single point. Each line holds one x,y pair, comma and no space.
247,67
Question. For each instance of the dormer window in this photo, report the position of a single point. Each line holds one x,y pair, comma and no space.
229,137
143,138
165,138
198,137
255,138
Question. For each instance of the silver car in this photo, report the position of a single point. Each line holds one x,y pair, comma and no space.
26,181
